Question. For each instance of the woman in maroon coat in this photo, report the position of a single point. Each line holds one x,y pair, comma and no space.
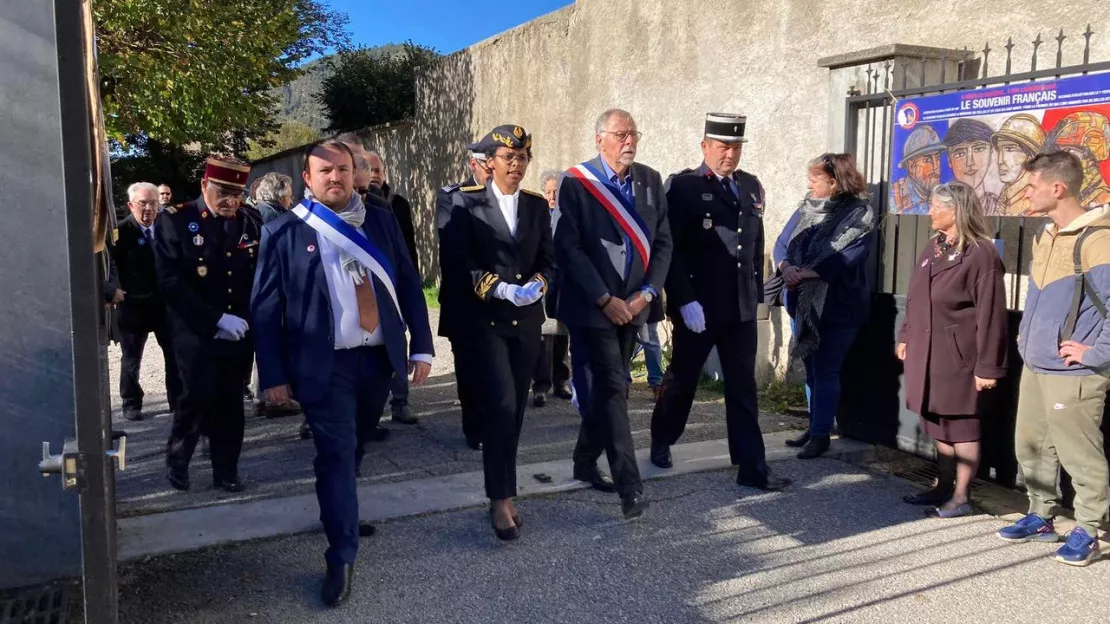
953,341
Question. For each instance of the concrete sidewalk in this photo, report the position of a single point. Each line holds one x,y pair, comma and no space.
838,546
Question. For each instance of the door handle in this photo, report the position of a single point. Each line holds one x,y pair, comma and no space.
71,463
119,451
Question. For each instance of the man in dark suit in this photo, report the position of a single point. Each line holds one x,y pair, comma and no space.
455,290
713,289
204,252
501,234
613,249
552,372
334,293
142,310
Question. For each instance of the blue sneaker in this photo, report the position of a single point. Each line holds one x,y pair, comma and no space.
1079,548
1031,527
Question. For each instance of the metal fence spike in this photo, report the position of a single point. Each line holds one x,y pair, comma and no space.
1036,44
986,58
1087,46
1009,55
1060,48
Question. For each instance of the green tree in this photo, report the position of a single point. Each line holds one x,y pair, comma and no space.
291,134
200,71
366,89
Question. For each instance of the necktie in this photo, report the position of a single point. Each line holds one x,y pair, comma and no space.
146,233
367,305
725,182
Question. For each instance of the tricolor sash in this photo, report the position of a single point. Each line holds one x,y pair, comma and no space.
619,208
346,237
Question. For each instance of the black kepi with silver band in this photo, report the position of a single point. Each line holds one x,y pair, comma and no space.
725,127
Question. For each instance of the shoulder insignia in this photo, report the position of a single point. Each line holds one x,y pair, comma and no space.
683,172
173,209
476,187
115,235
540,195
450,188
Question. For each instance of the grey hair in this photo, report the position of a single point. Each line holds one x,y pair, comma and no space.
272,187
140,186
603,120
971,225
361,163
374,153
549,174
351,138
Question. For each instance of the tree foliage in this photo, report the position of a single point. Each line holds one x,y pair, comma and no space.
150,160
366,89
291,134
194,71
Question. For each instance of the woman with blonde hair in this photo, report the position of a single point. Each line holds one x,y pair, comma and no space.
953,341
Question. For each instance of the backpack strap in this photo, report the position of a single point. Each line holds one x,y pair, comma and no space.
1082,286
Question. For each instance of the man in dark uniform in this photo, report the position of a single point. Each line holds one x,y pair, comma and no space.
142,310
205,253
714,285
613,248
501,235
455,290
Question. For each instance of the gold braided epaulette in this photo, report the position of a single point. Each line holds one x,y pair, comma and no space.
476,187
485,284
540,195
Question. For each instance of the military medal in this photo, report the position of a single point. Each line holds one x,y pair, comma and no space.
194,227
198,240
310,248
707,222
202,270
141,241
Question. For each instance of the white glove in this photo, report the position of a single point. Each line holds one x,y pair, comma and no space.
529,294
506,291
222,335
233,326
693,317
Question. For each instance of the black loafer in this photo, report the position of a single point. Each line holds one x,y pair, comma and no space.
661,455
306,431
337,584
932,498
815,447
179,479
562,391
365,529
633,506
402,414
539,399
799,441
473,443
767,483
133,414
597,479
228,485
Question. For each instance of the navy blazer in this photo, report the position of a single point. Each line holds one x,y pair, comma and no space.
582,227
291,314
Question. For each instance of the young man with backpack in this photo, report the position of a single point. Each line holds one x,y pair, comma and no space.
1064,341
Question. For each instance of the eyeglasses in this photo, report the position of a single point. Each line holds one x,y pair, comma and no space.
150,203
624,135
513,158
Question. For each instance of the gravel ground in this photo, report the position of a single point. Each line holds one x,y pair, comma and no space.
836,547
276,462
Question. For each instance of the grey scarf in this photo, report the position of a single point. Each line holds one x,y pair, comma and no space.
825,228
354,215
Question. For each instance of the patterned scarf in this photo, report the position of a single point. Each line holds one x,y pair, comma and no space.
353,215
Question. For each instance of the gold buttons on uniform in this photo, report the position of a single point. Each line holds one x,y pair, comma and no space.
229,290
228,307
514,323
491,323
229,273
229,254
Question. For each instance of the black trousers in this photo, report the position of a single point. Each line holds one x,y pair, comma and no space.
505,367
211,402
359,386
132,342
601,359
551,366
736,347
467,385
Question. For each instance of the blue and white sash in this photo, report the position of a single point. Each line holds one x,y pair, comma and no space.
354,243
619,208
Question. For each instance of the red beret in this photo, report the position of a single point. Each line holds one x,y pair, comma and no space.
226,173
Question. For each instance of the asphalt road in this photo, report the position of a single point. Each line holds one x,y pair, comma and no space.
276,462
838,546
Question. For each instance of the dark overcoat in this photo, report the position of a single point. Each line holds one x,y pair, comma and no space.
955,329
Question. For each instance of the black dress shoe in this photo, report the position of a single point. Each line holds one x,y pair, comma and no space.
402,414
365,529
539,399
661,455
133,414
596,478
337,584
179,479
633,506
562,391
767,482
816,447
934,497
228,485
799,441
306,431
473,443
379,434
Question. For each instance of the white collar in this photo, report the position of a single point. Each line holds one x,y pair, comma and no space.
499,195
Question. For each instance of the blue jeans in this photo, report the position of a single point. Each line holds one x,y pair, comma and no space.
647,340
823,377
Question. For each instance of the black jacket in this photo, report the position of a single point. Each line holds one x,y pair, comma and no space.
205,270
477,238
142,308
454,282
718,245
588,272
402,210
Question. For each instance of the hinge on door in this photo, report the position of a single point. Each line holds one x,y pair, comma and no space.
72,464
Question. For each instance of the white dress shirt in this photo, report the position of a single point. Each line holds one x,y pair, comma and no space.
508,205
344,304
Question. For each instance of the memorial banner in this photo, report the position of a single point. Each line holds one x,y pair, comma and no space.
982,137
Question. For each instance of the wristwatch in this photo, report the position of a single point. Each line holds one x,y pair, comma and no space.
647,294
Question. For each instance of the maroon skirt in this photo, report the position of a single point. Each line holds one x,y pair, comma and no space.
950,429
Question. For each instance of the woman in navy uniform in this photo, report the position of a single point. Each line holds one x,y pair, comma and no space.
205,253
713,287
502,235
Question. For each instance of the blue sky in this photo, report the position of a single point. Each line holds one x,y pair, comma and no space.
446,25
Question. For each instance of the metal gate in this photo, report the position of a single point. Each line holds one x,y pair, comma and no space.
873,404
